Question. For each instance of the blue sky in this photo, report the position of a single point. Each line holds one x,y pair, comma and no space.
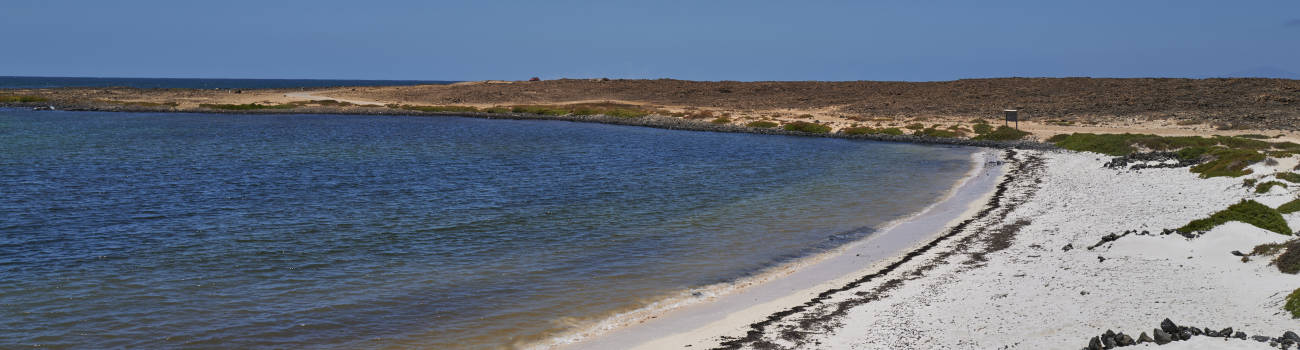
697,40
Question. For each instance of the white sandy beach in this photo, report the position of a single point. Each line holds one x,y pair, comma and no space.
1007,282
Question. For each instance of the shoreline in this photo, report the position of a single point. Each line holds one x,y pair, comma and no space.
651,121
748,301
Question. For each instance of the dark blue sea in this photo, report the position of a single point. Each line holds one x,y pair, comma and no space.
194,83
155,230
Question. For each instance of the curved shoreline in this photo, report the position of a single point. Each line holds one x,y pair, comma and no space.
652,121
748,302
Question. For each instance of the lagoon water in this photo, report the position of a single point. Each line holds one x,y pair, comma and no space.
311,231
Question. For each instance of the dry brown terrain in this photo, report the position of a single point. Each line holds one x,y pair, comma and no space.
1050,105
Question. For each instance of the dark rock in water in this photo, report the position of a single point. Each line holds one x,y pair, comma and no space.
1194,330
1108,342
1169,326
1094,344
1291,335
1067,247
1162,337
1124,340
1260,338
1108,334
1101,259
1211,333
1238,253
1144,338
1239,335
1226,332
1185,335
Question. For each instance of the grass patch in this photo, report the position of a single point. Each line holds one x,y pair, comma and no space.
721,120
1293,304
497,110
247,106
607,108
807,127
1003,133
142,103
1289,207
1264,187
915,126
1289,177
21,99
1289,260
1247,211
1255,136
440,109
1228,162
932,132
762,124
862,130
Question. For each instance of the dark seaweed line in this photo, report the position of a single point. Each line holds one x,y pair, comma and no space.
757,329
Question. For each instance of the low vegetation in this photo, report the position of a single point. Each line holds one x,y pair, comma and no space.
437,109
1247,211
762,124
1289,207
1293,303
606,108
1289,177
1254,136
142,103
1002,133
1222,155
1266,186
932,132
982,128
247,106
721,120
497,110
1289,261
21,99
807,127
863,130
915,126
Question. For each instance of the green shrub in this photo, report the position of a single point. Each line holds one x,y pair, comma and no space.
890,131
1264,187
1003,133
497,110
1228,162
915,126
982,128
441,109
1249,183
1247,211
247,106
807,127
21,99
1058,138
1254,136
1293,304
1289,207
762,124
1289,260
1289,177
721,120
932,132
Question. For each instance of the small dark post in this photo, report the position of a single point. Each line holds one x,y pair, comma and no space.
1011,117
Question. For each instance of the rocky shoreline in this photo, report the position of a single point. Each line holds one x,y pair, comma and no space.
652,121
1169,332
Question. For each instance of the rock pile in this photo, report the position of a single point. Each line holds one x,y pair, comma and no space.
1170,332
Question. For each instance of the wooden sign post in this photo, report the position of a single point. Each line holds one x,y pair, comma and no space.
1012,117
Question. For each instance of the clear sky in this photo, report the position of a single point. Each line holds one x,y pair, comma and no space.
697,40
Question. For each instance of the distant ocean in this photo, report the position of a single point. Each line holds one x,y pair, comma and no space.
194,83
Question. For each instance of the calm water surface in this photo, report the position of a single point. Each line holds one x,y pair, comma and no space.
307,231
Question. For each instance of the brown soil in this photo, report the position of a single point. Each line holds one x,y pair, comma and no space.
1052,105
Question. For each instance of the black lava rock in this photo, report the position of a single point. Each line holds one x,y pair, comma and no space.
1162,337
1144,338
1226,332
1239,335
1108,342
1194,330
1124,340
1291,335
1260,338
1094,344
1169,326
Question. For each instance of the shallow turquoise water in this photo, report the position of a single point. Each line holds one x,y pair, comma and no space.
231,231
